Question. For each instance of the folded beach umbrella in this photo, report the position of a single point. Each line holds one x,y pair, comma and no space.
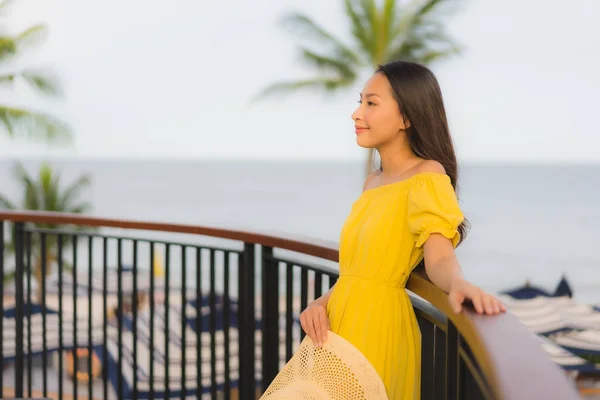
565,358
580,342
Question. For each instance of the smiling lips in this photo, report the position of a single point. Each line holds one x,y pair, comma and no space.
360,129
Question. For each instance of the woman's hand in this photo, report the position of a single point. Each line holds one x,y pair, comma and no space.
314,321
483,302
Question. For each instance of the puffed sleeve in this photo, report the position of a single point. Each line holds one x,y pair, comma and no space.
433,208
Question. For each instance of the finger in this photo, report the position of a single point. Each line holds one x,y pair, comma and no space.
318,331
488,304
478,303
500,306
456,301
311,329
324,321
496,305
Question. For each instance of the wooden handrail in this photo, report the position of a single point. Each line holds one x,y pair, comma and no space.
510,356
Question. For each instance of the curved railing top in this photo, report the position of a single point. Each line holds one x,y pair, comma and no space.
511,357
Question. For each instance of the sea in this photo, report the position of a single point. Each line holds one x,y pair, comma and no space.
529,223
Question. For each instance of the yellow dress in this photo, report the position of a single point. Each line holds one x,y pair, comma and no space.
380,244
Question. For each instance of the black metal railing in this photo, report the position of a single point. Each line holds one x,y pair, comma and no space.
182,311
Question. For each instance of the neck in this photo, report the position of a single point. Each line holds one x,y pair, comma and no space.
397,157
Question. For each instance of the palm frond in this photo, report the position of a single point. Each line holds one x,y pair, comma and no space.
305,28
281,88
339,68
8,47
32,36
420,35
72,192
6,204
48,187
360,31
11,45
31,200
32,124
334,73
8,78
43,83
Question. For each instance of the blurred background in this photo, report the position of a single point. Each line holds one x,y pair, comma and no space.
237,114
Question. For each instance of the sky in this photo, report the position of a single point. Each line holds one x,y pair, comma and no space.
155,79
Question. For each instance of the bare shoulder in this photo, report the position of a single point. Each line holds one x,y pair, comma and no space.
371,176
431,166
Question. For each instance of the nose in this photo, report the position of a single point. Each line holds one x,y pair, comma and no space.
357,114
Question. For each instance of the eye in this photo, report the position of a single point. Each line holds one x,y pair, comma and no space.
371,103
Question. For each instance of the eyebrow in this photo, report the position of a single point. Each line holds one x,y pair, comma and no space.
369,95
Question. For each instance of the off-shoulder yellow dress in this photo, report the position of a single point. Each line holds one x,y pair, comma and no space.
380,244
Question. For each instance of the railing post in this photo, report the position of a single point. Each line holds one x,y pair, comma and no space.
246,324
270,317
19,355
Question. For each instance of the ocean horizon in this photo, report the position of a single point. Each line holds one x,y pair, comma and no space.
534,223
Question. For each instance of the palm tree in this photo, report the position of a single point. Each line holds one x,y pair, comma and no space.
19,122
46,194
381,31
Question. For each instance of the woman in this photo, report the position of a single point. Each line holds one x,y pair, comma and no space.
408,213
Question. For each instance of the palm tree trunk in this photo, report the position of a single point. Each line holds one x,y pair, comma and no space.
37,273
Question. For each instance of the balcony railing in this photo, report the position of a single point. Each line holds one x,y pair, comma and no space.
104,308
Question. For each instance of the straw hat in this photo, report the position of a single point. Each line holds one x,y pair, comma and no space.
336,371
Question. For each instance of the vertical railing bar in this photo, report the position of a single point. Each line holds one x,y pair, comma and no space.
105,317
90,349
166,319
134,302
270,316
44,266
198,322
152,309
332,280
74,298
289,310
247,323
226,324
318,284
213,324
29,311
19,253
59,261
427,348
303,294
120,316
440,364
452,389
183,321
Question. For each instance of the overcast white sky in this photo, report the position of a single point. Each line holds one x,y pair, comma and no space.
149,78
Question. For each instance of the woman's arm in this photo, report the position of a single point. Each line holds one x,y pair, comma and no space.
325,297
314,319
444,271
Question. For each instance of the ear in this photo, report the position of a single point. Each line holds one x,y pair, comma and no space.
405,123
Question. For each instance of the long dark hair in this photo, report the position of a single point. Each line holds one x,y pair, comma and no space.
419,98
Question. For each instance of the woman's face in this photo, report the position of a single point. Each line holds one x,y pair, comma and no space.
377,120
